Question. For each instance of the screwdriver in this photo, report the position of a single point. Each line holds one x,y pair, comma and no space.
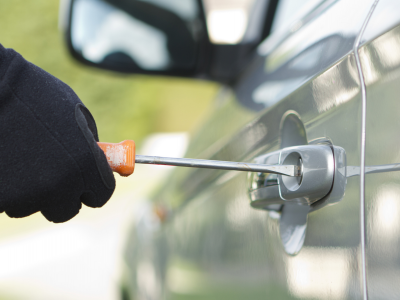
121,158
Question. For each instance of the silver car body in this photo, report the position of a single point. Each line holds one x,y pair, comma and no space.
329,70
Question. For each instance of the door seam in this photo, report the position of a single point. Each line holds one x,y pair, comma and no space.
356,47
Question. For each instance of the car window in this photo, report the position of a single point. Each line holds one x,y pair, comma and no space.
290,11
234,21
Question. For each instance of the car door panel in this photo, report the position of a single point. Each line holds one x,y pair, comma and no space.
218,246
381,64
329,257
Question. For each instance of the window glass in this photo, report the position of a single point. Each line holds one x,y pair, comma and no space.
234,21
290,11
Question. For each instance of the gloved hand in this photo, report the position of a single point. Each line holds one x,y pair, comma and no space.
49,158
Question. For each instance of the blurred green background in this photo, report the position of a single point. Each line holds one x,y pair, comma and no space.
124,106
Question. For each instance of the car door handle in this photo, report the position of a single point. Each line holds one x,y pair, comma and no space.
319,165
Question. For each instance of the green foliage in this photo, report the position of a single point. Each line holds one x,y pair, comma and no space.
124,106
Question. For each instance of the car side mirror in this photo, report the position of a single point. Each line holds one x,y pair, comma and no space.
157,37
151,37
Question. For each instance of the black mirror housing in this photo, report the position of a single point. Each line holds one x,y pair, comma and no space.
151,37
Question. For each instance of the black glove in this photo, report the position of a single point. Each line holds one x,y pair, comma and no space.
49,159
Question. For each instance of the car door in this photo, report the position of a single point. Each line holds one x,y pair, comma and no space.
380,59
302,87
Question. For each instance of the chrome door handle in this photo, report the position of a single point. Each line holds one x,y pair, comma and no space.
319,164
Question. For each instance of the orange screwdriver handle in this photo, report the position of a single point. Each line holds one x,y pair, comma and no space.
120,156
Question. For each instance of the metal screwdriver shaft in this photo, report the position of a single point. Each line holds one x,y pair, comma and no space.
288,170
122,158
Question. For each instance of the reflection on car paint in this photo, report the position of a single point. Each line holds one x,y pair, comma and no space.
381,62
320,273
225,249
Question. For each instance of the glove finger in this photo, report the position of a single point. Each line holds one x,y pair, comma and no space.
90,199
61,213
21,211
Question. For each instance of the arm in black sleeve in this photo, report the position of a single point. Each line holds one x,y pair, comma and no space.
49,158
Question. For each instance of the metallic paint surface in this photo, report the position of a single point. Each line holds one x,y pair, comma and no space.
214,245
380,60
